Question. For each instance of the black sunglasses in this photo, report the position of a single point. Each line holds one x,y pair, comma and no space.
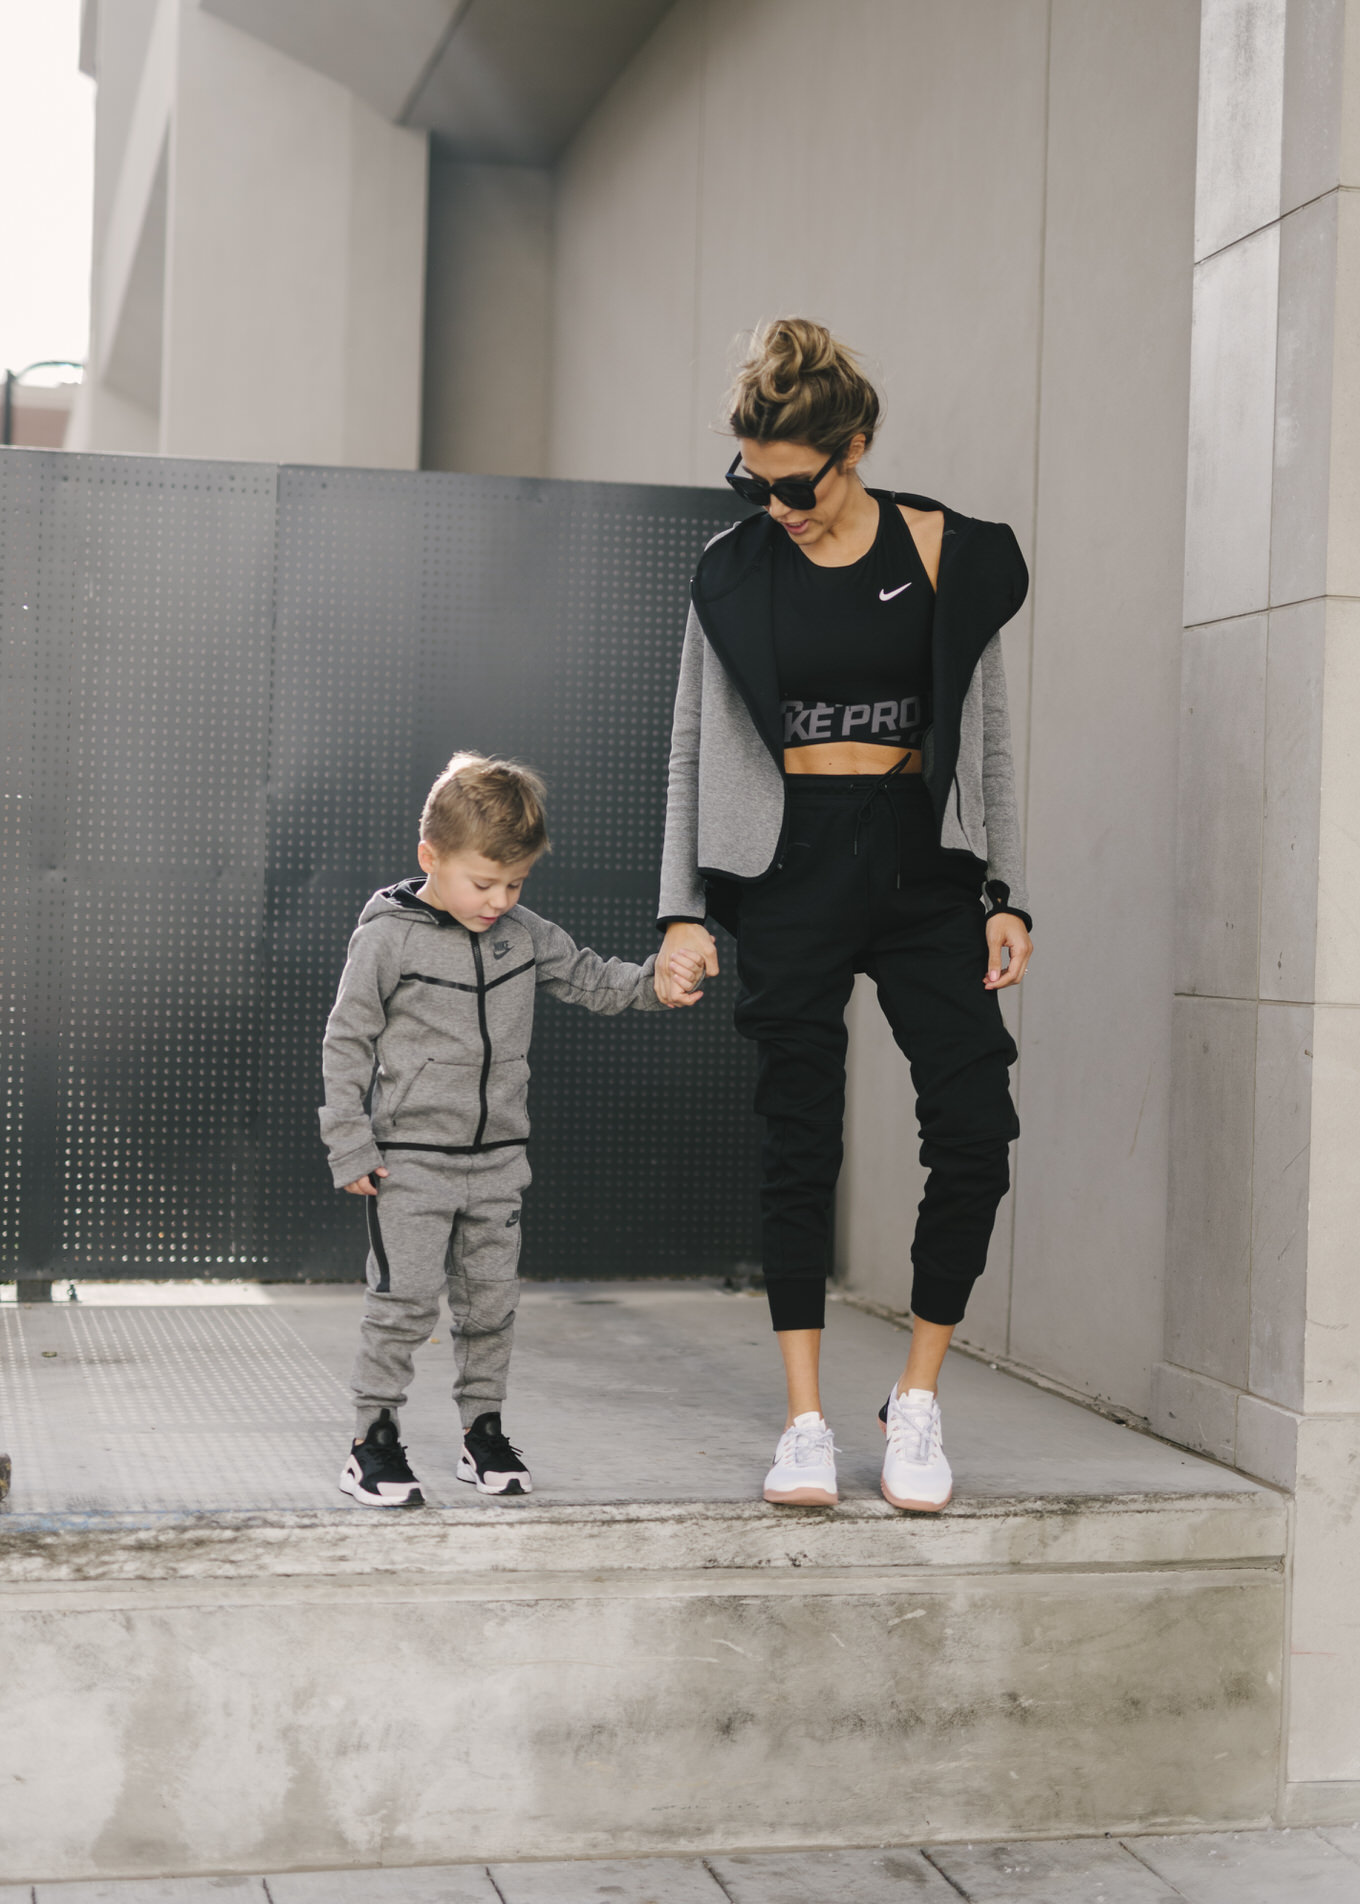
796,492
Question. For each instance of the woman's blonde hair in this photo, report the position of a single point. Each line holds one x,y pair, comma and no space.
491,807
799,384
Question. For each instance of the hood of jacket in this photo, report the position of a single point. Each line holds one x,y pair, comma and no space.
401,899
982,583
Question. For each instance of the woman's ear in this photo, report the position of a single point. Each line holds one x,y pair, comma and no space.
854,450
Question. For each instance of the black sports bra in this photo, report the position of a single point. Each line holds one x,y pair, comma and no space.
852,645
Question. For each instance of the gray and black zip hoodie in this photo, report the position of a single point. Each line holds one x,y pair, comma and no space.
447,1014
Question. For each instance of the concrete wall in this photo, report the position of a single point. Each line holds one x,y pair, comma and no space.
1263,1319
488,295
293,274
205,1695
134,60
258,269
994,203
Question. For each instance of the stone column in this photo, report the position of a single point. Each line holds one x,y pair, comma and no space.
294,262
1262,1365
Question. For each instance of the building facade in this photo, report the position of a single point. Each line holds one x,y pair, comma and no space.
1099,259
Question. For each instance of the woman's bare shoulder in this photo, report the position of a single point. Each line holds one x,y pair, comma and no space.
927,532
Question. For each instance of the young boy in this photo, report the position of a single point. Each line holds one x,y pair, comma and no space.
439,990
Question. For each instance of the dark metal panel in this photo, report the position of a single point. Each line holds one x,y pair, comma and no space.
138,609
423,613
197,802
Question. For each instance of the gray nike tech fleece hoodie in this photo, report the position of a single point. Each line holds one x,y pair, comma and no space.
446,1015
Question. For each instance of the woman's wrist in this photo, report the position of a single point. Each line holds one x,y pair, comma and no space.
686,931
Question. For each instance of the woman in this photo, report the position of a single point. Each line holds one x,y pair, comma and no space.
842,800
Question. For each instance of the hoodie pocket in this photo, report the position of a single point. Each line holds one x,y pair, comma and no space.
507,1089
441,1104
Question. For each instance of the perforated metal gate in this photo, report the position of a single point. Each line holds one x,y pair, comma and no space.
226,689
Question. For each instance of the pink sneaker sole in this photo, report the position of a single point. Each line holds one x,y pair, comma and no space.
802,1497
918,1507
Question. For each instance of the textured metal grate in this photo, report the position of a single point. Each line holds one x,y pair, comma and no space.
226,689
145,1409
137,650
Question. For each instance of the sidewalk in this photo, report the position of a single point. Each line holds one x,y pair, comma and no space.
1240,1867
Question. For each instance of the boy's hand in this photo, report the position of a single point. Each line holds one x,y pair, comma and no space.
364,1186
687,953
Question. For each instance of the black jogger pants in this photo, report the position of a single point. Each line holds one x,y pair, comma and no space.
863,886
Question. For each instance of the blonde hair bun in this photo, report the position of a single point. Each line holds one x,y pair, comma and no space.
799,384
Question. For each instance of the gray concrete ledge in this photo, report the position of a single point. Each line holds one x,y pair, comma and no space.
1131,1532
205,1725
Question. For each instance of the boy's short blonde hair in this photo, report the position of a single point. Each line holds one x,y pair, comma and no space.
491,807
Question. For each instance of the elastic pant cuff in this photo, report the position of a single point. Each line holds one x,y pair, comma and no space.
471,1408
939,1299
796,1302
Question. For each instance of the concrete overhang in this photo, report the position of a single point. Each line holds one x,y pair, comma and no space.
501,80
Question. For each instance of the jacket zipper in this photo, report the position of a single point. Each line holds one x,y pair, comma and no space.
486,1038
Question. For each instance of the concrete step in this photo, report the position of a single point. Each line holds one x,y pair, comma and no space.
199,1687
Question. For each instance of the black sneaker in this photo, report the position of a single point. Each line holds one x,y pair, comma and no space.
377,1472
489,1462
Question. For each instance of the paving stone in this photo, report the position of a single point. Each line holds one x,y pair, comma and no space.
1071,1871
608,1881
154,1891
1346,1838
819,1877
447,1884
1253,1867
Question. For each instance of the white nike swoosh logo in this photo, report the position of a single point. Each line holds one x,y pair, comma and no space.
886,594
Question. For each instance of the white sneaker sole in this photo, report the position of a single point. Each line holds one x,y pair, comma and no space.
915,1507
801,1497
349,1484
511,1484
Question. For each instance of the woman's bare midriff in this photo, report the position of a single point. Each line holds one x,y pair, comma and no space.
850,757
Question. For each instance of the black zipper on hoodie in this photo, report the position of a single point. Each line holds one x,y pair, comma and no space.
486,1036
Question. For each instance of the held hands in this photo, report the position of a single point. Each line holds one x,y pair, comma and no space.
1006,933
365,1186
688,952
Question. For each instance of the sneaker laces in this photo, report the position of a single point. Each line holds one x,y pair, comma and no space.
388,1459
493,1444
806,1447
914,1433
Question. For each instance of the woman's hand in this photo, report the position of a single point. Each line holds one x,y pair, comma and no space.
687,953
1006,933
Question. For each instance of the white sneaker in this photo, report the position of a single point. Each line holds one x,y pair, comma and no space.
915,1472
804,1471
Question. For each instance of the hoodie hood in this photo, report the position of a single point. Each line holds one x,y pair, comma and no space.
402,898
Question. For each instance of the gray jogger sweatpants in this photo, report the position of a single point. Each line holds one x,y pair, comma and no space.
441,1223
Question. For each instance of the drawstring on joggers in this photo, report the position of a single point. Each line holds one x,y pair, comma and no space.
862,812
